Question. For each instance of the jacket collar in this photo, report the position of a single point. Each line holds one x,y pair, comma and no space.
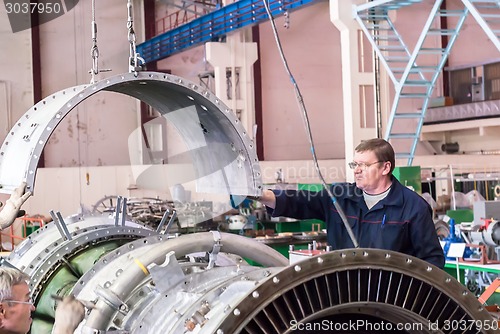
394,197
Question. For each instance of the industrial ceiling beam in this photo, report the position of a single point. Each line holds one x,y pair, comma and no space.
213,26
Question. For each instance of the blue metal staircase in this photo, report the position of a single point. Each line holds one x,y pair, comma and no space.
487,15
213,26
413,83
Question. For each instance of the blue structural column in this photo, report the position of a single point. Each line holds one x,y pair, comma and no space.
213,26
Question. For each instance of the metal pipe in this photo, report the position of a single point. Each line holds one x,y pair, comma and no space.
163,220
191,243
117,210
169,224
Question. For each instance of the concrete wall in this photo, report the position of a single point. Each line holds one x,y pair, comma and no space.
96,132
16,81
312,47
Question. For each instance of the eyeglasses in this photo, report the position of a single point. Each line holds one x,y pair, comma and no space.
29,302
362,165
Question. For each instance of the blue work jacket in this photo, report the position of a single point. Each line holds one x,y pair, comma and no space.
401,222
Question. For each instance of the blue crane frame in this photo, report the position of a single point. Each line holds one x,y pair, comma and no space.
213,26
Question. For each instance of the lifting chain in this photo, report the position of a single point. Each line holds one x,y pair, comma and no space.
94,51
135,62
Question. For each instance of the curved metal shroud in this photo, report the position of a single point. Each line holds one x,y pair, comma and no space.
224,157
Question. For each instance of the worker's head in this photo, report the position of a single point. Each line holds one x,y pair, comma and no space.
15,302
373,163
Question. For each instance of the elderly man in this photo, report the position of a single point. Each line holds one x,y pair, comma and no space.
15,302
381,212
16,306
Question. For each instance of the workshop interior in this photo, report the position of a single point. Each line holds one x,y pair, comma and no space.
145,129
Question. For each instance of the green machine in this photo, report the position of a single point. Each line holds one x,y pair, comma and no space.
461,215
409,176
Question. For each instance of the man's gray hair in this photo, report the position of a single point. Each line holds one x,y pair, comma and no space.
8,278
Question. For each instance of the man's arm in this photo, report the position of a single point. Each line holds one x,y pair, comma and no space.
299,204
424,237
268,198
69,313
11,209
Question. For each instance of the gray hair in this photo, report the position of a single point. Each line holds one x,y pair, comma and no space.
8,278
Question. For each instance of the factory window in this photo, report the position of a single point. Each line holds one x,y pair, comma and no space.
495,89
238,113
492,81
367,106
233,83
475,83
461,85
365,60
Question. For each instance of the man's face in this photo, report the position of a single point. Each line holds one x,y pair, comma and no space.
371,175
15,318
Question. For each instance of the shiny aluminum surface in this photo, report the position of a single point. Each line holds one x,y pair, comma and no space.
367,286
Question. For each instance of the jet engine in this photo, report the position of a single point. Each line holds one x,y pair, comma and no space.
213,282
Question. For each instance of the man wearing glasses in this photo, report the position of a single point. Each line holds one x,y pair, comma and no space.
381,212
16,306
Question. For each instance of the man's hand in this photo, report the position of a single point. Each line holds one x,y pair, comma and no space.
236,200
69,313
267,198
10,211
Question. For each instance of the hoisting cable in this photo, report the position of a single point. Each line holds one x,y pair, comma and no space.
303,110
94,51
134,58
